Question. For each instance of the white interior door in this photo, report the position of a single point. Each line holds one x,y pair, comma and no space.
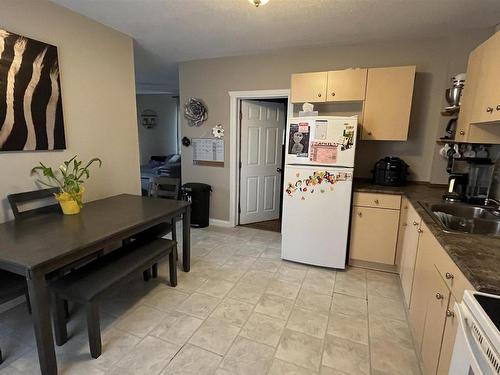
262,131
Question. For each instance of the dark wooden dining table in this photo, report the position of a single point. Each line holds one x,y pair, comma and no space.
40,245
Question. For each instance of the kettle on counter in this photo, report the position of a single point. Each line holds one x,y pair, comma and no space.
390,171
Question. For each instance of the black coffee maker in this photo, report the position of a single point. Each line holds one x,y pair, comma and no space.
458,181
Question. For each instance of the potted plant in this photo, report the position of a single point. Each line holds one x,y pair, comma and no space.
68,178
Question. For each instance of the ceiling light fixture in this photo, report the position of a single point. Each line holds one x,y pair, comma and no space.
258,2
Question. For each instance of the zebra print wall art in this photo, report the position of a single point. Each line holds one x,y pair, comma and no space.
31,116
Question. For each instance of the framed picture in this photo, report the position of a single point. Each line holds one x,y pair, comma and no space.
31,116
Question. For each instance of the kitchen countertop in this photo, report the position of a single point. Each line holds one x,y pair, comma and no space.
477,256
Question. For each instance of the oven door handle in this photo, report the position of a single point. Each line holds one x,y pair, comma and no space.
464,359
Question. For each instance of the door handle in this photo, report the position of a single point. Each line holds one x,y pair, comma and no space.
279,170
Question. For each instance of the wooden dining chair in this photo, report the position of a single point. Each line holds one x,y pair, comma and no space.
166,187
32,203
161,187
12,286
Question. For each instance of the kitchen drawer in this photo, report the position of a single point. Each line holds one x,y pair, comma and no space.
377,200
453,277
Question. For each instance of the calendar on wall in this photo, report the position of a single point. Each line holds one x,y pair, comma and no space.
208,151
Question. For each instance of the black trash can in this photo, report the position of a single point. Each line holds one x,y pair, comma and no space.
199,196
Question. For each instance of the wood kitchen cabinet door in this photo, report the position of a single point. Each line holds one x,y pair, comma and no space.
487,99
408,248
389,93
346,85
424,268
450,332
309,87
374,233
439,296
468,95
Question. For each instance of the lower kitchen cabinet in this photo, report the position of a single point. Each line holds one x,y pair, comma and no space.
431,281
424,268
438,297
436,284
374,233
450,331
409,235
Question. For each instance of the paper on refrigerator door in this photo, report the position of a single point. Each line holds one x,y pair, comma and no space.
324,152
298,142
321,129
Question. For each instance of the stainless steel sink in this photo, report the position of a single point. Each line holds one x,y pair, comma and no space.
464,218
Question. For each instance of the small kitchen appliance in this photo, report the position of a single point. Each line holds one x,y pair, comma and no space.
470,180
454,93
390,171
458,180
480,179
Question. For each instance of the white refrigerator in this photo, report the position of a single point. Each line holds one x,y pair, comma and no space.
319,166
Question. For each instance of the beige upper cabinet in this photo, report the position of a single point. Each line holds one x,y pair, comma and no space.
389,93
346,85
469,93
486,107
309,87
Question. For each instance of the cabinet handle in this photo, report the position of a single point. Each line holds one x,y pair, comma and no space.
360,214
333,94
489,109
439,296
319,95
419,230
498,107
369,133
462,132
405,225
450,313
376,201
415,223
449,275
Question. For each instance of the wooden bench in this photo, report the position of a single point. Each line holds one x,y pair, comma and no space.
87,284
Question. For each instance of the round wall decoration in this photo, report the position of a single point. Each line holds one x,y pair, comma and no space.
195,111
218,131
149,118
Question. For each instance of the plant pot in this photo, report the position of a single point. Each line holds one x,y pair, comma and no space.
69,205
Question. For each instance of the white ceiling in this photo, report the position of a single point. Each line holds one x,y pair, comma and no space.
169,31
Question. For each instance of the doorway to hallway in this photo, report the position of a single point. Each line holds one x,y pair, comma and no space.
261,162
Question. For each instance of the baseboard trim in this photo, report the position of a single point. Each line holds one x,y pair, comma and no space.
373,266
12,303
221,223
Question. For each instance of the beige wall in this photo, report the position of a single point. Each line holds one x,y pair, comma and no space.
98,91
436,59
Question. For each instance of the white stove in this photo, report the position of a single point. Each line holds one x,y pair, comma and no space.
477,344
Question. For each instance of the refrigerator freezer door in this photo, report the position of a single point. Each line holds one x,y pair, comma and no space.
316,207
321,141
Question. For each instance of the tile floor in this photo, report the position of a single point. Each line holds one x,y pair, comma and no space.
241,310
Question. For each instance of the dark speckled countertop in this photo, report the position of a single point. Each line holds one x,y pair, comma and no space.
477,256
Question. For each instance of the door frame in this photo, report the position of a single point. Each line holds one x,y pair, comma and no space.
235,98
